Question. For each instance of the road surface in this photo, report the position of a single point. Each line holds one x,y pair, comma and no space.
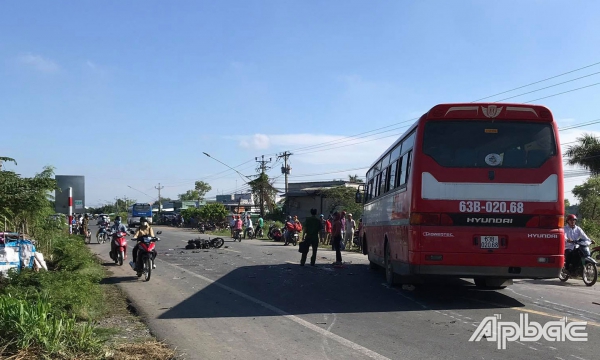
251,300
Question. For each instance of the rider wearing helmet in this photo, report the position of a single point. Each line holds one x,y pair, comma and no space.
116,228
144,230
572,234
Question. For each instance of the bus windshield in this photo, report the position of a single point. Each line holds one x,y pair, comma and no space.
141,208
489,144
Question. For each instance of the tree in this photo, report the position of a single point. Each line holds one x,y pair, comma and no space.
215,212
24,202
263,192
588,194
343,198
189,195
355,179
567,203
586,153
202,188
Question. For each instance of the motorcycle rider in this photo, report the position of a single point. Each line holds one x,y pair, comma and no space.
144,230
116,228
259,225
572,234
289,224
237,227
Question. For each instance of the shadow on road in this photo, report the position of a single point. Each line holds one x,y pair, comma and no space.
118,280
324,289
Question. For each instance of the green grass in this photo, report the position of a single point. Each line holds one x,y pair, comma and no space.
50,313
34,325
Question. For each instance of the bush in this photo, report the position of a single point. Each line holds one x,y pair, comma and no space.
26,325
72,283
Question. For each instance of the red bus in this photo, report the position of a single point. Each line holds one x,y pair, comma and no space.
470,191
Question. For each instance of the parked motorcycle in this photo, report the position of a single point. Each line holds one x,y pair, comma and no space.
120,244
145,261
585,266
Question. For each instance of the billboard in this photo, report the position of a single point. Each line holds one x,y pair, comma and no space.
61,196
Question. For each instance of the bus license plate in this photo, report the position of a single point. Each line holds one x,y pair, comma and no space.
489,242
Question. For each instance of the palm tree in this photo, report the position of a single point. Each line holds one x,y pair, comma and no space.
586,153
354,179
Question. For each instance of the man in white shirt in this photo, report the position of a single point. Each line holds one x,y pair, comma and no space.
248,225
349,231
572,234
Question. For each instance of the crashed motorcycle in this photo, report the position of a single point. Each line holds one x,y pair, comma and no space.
583,266
274,233
145,256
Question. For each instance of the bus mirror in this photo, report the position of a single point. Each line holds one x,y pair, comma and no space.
358,197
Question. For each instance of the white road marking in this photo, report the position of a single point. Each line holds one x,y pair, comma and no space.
343,341
577,357
553,348
532,348
572,308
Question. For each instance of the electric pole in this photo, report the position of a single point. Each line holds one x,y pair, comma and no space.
285,169
159,201
263,167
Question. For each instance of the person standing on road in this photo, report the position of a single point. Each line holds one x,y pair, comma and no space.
328,225
248,225
350,227
312,228
232,224
85,223
337,238
323,232
343,221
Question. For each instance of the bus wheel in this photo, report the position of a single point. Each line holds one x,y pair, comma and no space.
390,277
373,265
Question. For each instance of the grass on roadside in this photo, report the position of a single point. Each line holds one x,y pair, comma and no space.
54,314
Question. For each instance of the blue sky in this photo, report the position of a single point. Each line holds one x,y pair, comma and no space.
131,93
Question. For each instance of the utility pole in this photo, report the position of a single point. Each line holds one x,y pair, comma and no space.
263,167
159,200
285,169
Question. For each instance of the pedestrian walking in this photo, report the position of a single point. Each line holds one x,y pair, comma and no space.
312,228
337,238
323,232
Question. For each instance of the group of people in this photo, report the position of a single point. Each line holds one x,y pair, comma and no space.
347,230
337,229
237,225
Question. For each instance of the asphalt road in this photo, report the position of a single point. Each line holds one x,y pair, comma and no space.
251,300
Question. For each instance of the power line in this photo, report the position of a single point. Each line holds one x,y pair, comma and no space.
548,87
537,82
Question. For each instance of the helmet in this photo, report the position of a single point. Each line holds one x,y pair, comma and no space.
571,217
118,219
143,219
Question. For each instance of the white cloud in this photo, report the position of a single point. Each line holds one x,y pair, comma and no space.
256,141
39,63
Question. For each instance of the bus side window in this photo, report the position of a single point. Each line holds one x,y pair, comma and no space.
371,190
404,170
377,185
383,182
391,184
399,172
409,163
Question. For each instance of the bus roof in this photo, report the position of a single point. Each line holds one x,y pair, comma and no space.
452,111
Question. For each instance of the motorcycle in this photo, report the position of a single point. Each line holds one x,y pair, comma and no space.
237,235
274,232
145,260
205,244
120,253
250,232
102,235
585,266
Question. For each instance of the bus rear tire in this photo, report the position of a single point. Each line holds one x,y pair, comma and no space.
373,265
390,277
